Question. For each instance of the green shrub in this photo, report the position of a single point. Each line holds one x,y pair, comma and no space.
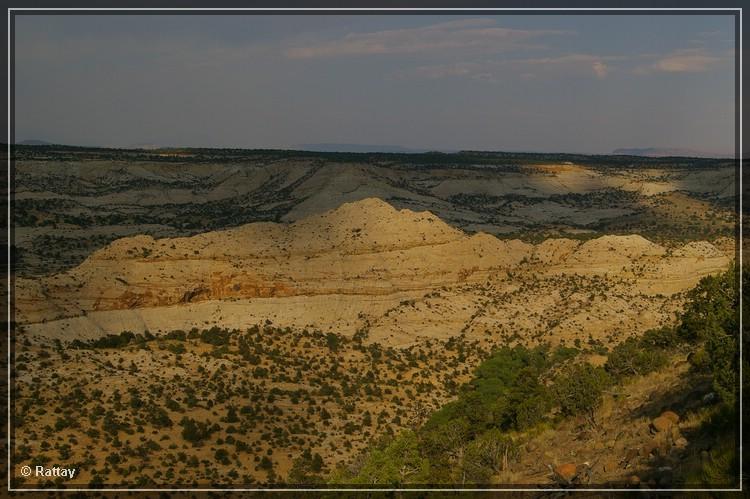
711,317
665,337
487,455
712,306
215,336
306,468
722,350
195,431
176,348
398,463
631,358
578,389
222,456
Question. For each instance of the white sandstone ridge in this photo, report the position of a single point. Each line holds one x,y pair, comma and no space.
366,226
365,248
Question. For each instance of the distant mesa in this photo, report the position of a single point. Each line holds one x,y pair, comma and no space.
145,146
34,142
358,148
655,152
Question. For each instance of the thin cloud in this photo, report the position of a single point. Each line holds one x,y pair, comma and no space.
582,64
477,35
684,61
586,65
600,69
439,71
578,64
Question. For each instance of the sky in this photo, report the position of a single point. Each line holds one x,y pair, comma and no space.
543,83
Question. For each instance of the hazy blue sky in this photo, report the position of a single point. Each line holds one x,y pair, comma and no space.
586,83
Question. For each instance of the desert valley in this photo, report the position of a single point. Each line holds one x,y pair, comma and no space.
261,318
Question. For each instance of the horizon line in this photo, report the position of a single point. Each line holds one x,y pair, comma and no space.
407,150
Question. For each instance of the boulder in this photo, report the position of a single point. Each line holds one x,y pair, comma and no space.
566,471
661,424
671,415
675,433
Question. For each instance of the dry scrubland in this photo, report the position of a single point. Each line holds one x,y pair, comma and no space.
119,415
287,312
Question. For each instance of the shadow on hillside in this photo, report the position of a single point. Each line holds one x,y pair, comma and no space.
702,440
685,397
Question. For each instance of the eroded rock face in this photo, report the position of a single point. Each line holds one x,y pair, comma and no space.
363,250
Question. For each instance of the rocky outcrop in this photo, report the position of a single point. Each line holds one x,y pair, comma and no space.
565,472
665,421
661,424
366,248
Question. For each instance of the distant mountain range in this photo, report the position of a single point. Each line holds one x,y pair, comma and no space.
655,152
145,146
325,147
140,145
